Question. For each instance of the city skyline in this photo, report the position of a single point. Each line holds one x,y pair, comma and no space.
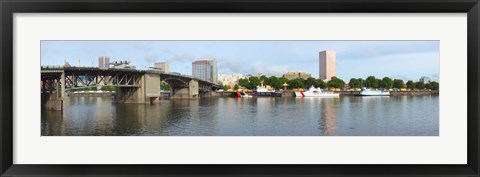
355,59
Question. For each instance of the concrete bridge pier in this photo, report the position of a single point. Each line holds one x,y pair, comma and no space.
210,94
53,92
148,91
152,88
190,92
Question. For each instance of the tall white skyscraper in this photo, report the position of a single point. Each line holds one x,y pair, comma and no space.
327,64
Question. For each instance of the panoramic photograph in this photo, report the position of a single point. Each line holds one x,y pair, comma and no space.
239,88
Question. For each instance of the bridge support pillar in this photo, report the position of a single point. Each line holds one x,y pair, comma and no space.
53,92
152,87
51,101
147,92
190,92
131,94
62,84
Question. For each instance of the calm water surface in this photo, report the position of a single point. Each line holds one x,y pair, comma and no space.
286,116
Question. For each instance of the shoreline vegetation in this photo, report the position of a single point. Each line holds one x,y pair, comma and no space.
334,84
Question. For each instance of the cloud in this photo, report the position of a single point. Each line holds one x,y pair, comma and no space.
268,69
237,65
435,77
371,49
150,59
182,57
410,66
232,65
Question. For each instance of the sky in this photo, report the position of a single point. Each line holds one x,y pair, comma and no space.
406,60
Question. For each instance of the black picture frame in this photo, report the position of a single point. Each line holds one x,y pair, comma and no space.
9,7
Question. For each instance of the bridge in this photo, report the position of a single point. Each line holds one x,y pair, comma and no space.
132,86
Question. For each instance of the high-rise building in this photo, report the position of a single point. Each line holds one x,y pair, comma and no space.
294,75
103,62
327,64
205,69
162,66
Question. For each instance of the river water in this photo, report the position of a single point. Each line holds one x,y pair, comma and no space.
225,116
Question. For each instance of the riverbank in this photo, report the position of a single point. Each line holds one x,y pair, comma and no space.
353,93
393,93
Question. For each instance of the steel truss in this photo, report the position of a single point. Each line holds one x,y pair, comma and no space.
118,79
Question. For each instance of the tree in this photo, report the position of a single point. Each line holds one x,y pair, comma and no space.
398,83
226,87
355,83
321,84
362,82
387,83
410,84
244,83
296,83
428,86
420,85
274,82
236,87
379,83
164,86
283,80
371,82
310,82
435,85
264,79
254,82
335,83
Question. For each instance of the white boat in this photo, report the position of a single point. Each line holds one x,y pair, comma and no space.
246,96
263,91
367,92
241,94
316,92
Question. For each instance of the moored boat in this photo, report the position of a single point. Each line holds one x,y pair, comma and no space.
368,92
315,92
264,92
240,95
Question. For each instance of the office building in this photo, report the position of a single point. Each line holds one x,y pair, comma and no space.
205,69
327,64
103,62
162,66
294,75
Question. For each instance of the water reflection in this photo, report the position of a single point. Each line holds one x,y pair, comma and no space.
403,115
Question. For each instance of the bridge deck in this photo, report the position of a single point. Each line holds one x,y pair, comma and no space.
49,72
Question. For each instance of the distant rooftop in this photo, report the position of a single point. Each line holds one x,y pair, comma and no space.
293,72
203,60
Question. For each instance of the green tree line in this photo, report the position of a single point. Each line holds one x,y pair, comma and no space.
369,82
386,82
103,88
277,82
